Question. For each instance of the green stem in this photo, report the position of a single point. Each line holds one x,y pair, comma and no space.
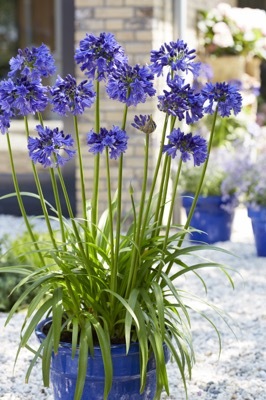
56,194
119,209
170,215
163,186
155,177
110,210
20,201
58,206
199,187
172,204
96,174
70,212
137,238
82,182
81,172
164,195
40,192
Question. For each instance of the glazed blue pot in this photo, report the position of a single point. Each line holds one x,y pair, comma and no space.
258,219
126,373
211,218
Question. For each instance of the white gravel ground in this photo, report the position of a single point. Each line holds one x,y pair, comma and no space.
239,374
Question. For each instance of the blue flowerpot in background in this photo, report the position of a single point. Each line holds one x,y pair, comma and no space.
213,215
257,215
126,372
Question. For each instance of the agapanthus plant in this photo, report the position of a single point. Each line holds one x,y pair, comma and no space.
113,278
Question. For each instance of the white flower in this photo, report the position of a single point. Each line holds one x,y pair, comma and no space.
233,30
222,35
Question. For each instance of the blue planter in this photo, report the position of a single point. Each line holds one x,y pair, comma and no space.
126,373
258,219
211,218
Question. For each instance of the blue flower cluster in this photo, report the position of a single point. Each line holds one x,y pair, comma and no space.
23,96
23,93
48,147
188,145
115,140
99,56
103,59
33,64
67,96
226,96
175,55
181,101
131,85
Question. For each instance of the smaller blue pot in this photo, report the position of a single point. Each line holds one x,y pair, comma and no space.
211,218
126,372
258,219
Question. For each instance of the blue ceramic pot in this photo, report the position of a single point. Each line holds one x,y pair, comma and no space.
211,218
258,219
126,373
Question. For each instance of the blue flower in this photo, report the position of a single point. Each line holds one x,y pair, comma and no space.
7,90
22,96
35,63
131,85
144,123
47,148
5,118
225,95
115,140
188,145
99,56
181,102
175,55
70,97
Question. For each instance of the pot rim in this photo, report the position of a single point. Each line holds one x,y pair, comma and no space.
134,346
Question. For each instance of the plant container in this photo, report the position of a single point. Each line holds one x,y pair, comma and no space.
257,214
213,216
126,372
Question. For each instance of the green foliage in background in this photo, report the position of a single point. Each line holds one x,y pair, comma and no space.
19,254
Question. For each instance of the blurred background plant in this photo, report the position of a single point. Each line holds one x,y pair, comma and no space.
10,287
224,177
254,181
226,30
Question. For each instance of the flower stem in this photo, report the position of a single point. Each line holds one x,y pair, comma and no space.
20,201
70,212
154,181
170,215
162,193
110,211
56,194
82,180
199,187
58,206
95,193
172,204
81,171
119,208
40,192
137,237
